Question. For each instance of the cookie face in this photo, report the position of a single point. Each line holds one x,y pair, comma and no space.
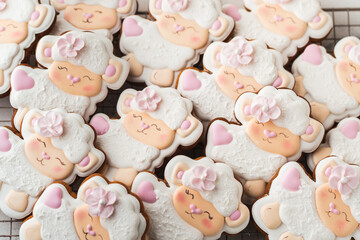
329,202
102,210
236,67
158,50
86,15
283,25
55,146
154,123
202,201
71,81
330,83
276,128
20,21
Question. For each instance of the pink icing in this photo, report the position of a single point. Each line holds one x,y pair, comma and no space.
158,4
61,1
90,230
35,15
247,110
348,48
147,99
333,209
238,52
2,29
238,85
110,71
178,5
45,156
233,12
146,192
350,129
179,28
50,125
84,162
344,179
47,52
100,124
144,126
328,171
265,109
122,3
5,144
277,83
316,19
53,198
21,81
312,54
194,209
185,125
353,78
128,102
189,81
131,27
355,54
203,178
180,174
216,25
270,134
291,180
278,18
88,15
101,202
219,135
73,79
235,215
309,130
69,46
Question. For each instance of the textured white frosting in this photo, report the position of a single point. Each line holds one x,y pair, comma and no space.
18,10
8,52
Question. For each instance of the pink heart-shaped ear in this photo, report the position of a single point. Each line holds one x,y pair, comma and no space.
146,192
220,135
5,144
100,124
53,198
21,81
291,180
350,129
190,81
131,28
122,3
312,54
233,12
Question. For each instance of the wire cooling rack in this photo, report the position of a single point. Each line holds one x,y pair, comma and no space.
346,23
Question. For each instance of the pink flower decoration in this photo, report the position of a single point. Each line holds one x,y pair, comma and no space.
69,46
50,125
238,52
344,179
203,178
2,5
265,109
178,5
147,99
101,202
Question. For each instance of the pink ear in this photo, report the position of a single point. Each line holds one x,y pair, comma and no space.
216,25
5,144
316,19
185,125
84,162
233,12
328,171
21,81
53,198
110,71
350,129
122,3
312,54
146,192
131,27
277,83
180,174
291,180
35,15
47,52
100,124
190,81
247,110
348,48
309,130
158,4
220,135
235,215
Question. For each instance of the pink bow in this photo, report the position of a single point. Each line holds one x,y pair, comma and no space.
238,52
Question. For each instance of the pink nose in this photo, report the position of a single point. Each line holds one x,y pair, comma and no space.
2,29
194,209
90,230
73,79
45,156
88,15
270,134
179,28
278,18
238,85
144,126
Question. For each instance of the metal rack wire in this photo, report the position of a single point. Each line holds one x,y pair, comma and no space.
346,23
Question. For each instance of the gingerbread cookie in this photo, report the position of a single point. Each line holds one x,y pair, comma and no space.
154,123
20,21
158,50
102,17
276,128
202,201
342,141
284,25
55,145
296,207
101,210
236,67
80,68
331,85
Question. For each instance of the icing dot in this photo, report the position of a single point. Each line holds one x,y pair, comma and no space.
180,174
235,215
47,52
185,125
35,15
216,26
102,202
110,71
344,180
309,130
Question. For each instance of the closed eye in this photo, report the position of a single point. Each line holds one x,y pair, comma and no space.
136,116
88,78
188,193
210,217
267,6
12,25
97,11
90,217
170,17
61,162
257,122
156,126
330,191
251,86
77,9
192,28
346,216
62,68
38,139
292,20
286,136
227,73
352,65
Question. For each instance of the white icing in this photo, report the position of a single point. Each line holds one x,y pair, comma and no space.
243,156
209,101
8,52
154,51
354,54
105,3
18,10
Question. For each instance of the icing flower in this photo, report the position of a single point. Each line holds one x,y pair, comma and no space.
265,109
354,54
147,99
178,5
2,5
344,179
50,125
101,202
238,52
203,178
69,46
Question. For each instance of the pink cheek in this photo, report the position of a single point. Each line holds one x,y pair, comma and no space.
17,34
89,88
207,223
34,145
80,215
343,66
288,145
163,137
67,16
180,198
323,194
163,24
195,39
340,224
222,79
57,169
291,28
254,129
107,19
55,75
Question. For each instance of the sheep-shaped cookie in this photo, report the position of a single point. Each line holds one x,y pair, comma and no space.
101,210
158,50
80,68
276,128
154,123
296,207
202,200
236,67
55,145
102,17
284,25
20,21
331,85
342,141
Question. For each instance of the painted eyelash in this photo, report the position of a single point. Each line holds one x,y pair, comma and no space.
61,162
188,193
330,191
88,77
227,73
292,20
346,216
97,11
40,161
210,217
157,128
135,116
167,16
77,9
12,25
253,88
62,68
41,141
257,122
90,216
284,135
270,7
351,65
192,29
